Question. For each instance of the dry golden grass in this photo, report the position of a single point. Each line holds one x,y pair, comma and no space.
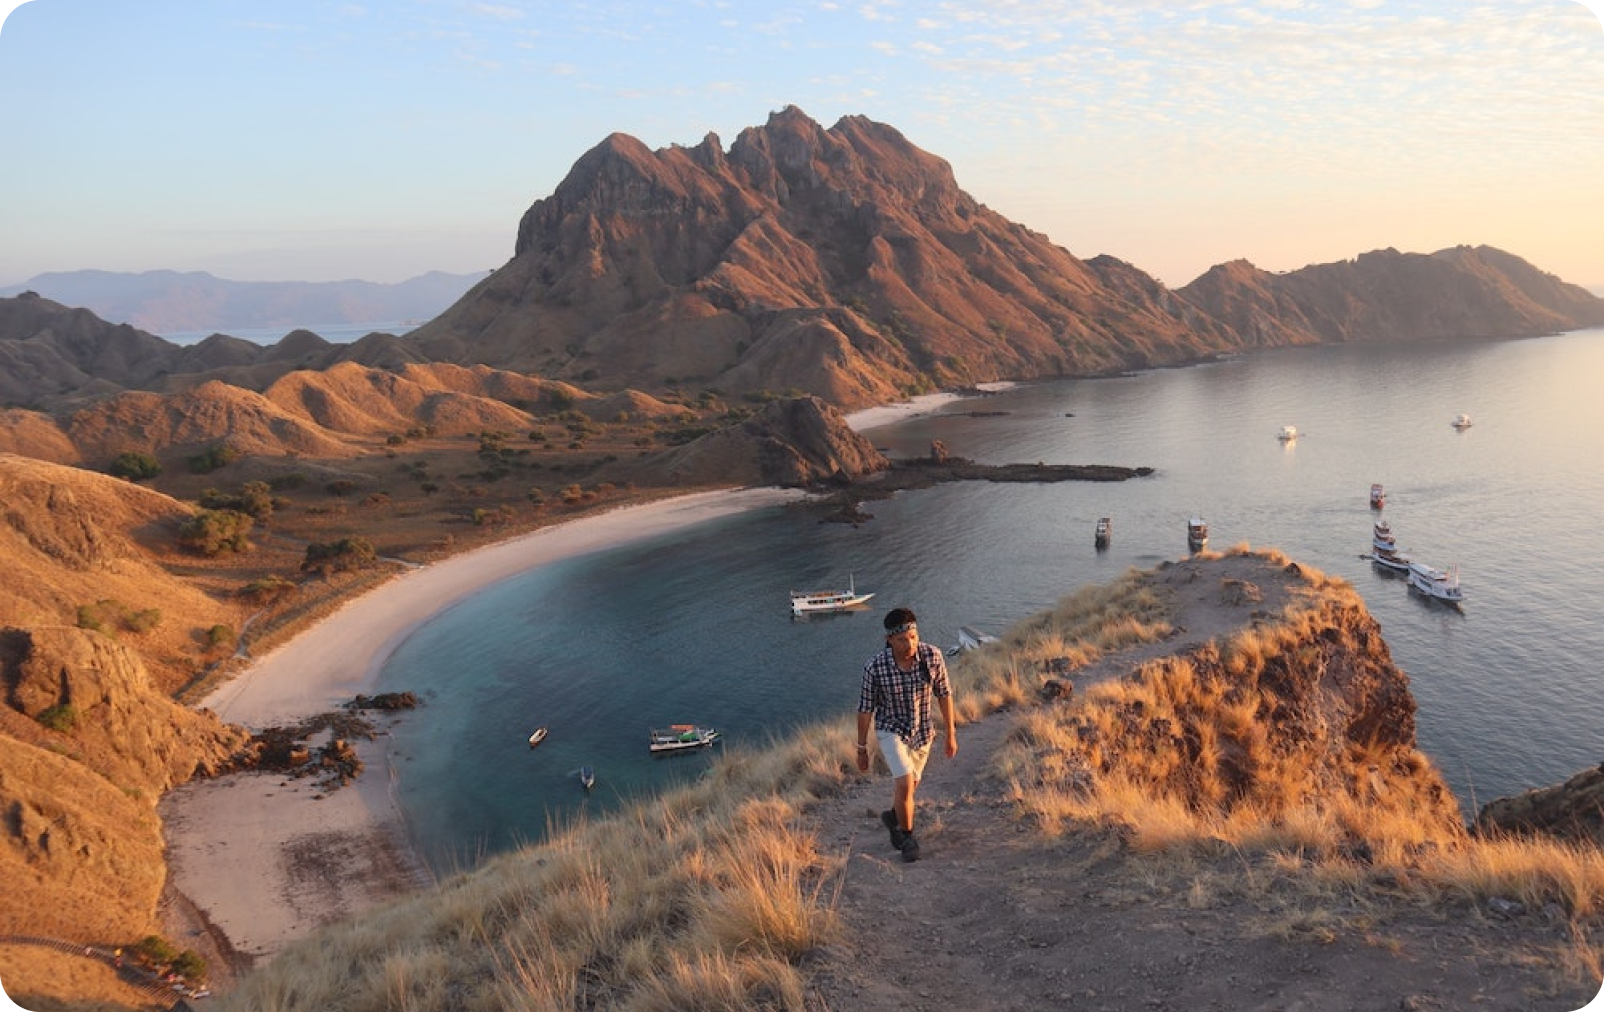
1180,756
704,898
709,897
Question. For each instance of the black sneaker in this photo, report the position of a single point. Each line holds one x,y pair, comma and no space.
909,848
898,834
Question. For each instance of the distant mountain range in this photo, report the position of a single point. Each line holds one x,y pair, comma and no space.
171,302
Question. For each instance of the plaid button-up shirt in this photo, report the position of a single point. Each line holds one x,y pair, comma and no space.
900,700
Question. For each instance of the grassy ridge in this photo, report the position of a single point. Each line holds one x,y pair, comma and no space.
712,897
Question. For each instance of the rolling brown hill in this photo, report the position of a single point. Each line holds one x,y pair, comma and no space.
89,739
1459,293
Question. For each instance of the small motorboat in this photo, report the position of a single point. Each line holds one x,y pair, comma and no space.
681,738
1439,584
1288,433
1378,496
970,638
1197,533
1461,422
538,737
1105,532
807,602
587,777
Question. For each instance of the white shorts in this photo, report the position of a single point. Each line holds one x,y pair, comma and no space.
902,759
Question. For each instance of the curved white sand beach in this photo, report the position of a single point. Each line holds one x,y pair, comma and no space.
268,859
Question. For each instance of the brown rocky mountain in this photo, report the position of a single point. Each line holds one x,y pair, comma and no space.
844,262
848,263
1464,292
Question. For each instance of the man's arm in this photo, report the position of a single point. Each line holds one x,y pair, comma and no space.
865,724
950,715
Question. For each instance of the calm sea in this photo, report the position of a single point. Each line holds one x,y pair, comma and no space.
695,626
334,333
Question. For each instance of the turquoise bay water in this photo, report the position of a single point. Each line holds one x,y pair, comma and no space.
694,626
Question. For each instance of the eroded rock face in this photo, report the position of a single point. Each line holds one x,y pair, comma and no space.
1291,699
87,747
1573,810
797,442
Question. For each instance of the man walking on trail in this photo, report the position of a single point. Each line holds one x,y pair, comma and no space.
899,684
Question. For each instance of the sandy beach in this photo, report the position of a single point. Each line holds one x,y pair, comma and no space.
266,858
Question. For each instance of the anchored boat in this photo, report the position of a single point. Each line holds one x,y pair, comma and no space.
681,738
805,602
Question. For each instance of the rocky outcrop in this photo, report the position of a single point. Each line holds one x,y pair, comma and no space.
88,747
795,442
1572,811
1280,697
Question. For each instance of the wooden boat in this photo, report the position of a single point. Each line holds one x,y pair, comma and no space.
1197,533
1288,433
1461,422
587,777
681,738
1105,532
538,737
807,602
1378,496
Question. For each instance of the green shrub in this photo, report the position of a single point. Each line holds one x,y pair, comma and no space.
62,717
339,556
142,621
89,618
213,531
268,590
134,466
213,458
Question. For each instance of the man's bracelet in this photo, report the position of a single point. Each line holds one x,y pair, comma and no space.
864,746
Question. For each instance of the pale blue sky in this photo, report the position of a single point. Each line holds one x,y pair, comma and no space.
308,140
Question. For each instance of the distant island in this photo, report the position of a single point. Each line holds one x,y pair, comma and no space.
173,302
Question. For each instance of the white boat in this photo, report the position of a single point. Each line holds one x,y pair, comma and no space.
1378,496
538,737
1288,433
1436,583
1105,532
681,738
1461,421
1197,533
1384,550
970,638
805,602
587,777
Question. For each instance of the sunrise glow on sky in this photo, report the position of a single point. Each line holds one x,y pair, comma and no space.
307,140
